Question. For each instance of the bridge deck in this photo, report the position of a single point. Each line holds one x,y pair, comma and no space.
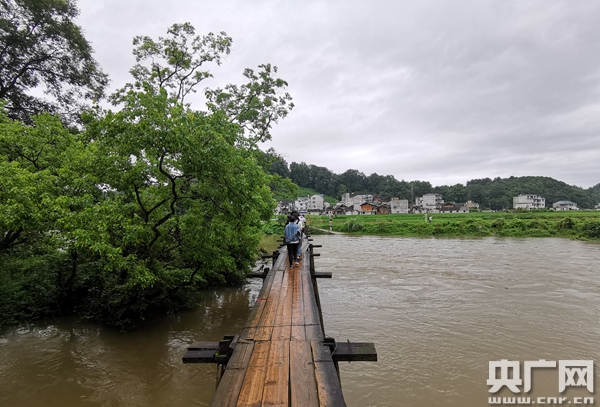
280,358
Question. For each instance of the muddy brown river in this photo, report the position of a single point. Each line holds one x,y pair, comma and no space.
438,310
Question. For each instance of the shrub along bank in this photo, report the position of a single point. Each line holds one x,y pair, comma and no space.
575,225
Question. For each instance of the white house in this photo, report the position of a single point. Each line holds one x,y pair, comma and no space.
356,199
430,202
471,205
399,205
316,203
565,206
452,207
284,207
301,204
347,199
526,201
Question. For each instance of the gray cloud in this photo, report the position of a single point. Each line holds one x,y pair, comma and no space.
438,91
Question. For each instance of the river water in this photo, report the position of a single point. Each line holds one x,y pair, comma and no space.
438,310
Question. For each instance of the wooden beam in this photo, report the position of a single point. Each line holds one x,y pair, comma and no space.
277,379
303,386
199,356
354,352
257,275
228,392
264,328
322,274
329,388
283,318
252,388
298,333
204,345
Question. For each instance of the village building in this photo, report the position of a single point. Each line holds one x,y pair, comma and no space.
284,207
383,209
429,203
316,203
529,201
451,207
472,205
301,204
340,209
565,206
346,199
356,199
398,205
368,208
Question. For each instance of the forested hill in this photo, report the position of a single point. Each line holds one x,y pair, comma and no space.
494,194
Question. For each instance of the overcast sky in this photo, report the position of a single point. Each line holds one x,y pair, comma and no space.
442,91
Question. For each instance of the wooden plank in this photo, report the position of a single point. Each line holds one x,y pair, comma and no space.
329,388
256,275
256,318
311,312
322,274
252,388
297,332
303,385
354,352
199,356
314,332
231,383
259,306
214,345
264,327
283,319
276,386
241,356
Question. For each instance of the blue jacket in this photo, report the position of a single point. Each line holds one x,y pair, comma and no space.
292,233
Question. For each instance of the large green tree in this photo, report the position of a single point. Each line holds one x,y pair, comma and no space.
42,47
146,205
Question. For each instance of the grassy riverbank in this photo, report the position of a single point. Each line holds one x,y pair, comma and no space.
575,225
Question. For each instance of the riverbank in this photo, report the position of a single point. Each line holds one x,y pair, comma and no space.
582,225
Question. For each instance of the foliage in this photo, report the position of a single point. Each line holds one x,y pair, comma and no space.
592,229
31,160
352,225
37,267
538,224
127,219
173,63
274,226
256,105
41,45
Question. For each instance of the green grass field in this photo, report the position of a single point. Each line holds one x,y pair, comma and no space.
575,224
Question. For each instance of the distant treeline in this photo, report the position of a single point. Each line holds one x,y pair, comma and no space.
496,194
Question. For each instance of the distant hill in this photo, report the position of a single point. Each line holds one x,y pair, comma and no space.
493,194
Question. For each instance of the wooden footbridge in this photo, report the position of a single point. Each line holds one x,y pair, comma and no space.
282,357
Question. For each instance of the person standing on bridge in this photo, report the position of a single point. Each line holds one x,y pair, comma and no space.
300,223
292,239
